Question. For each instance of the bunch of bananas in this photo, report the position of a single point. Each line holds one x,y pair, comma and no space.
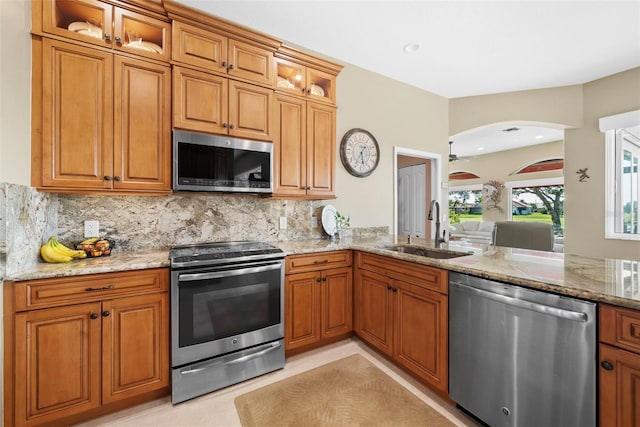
54,251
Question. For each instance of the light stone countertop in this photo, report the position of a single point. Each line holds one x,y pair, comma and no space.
603,280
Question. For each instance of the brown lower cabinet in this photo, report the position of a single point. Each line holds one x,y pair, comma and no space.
318,299
401,310
106,349
619,367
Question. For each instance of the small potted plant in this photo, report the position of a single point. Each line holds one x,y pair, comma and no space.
342,222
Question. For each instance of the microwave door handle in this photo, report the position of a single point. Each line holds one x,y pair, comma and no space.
227,273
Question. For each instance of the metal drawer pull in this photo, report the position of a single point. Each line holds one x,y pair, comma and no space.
259,351
106,288
321,261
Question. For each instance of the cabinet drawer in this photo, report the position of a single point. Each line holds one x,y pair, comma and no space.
61,291
317,261
620,327
421,275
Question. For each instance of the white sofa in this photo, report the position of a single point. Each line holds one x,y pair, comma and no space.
473,231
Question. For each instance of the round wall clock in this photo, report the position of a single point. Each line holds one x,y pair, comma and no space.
359,152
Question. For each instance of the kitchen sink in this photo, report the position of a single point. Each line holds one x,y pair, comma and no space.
427,252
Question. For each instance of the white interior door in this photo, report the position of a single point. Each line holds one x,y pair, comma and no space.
412,182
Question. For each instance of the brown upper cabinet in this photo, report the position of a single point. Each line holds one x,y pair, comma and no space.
101,122
301,74
102,24
215,52
209,103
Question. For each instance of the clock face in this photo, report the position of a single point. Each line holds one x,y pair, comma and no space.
359,152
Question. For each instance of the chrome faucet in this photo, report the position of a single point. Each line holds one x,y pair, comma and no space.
437,239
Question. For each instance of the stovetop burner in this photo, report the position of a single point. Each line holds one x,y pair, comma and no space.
221,252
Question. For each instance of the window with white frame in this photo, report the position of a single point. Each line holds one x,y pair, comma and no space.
622,175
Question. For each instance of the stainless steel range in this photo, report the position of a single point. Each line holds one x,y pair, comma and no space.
227,305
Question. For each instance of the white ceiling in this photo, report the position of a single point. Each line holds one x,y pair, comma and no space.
490,139
467,48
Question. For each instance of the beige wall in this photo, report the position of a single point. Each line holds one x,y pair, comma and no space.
577,109
561,106
585,148
397,115
500,166
15,91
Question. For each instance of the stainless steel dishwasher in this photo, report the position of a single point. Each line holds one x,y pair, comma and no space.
520,357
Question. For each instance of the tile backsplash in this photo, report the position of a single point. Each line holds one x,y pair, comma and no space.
28,218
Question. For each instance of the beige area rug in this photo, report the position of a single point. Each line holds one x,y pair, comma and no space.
347,392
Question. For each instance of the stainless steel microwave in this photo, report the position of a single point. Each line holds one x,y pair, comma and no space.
203,162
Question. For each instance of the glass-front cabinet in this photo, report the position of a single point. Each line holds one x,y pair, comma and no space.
98,23
305,81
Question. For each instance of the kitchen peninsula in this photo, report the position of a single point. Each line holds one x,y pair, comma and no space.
600,280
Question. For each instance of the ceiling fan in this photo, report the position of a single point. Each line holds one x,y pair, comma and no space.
454,157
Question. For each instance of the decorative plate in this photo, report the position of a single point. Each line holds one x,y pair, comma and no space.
317,90
329,220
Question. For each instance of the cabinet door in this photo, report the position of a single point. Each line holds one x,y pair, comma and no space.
199,47
57,363
337,302
199,101
420,334
373,298
290,149
251,62
321,86
321,149
141,35
250,111
135,346
291,77
142,125
619,388
77,116
302,309
84,20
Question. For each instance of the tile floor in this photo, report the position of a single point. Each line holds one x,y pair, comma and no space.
217,409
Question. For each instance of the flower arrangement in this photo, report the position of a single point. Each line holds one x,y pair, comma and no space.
492,195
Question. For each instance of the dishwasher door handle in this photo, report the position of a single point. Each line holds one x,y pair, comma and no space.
540,308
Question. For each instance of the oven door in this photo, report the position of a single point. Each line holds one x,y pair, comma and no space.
218,310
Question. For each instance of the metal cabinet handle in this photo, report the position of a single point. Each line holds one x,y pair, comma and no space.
318,280
224,64
394,289
321,261
93,316
104,288
606,365
118,39
107,37
224,125
388,287
105,313
232,126
116,178
107,178
324,279
231,67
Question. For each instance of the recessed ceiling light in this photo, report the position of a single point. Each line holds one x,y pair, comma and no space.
411,47
539,136
480,148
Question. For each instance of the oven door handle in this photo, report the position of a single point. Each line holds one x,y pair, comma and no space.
258,351
228,273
